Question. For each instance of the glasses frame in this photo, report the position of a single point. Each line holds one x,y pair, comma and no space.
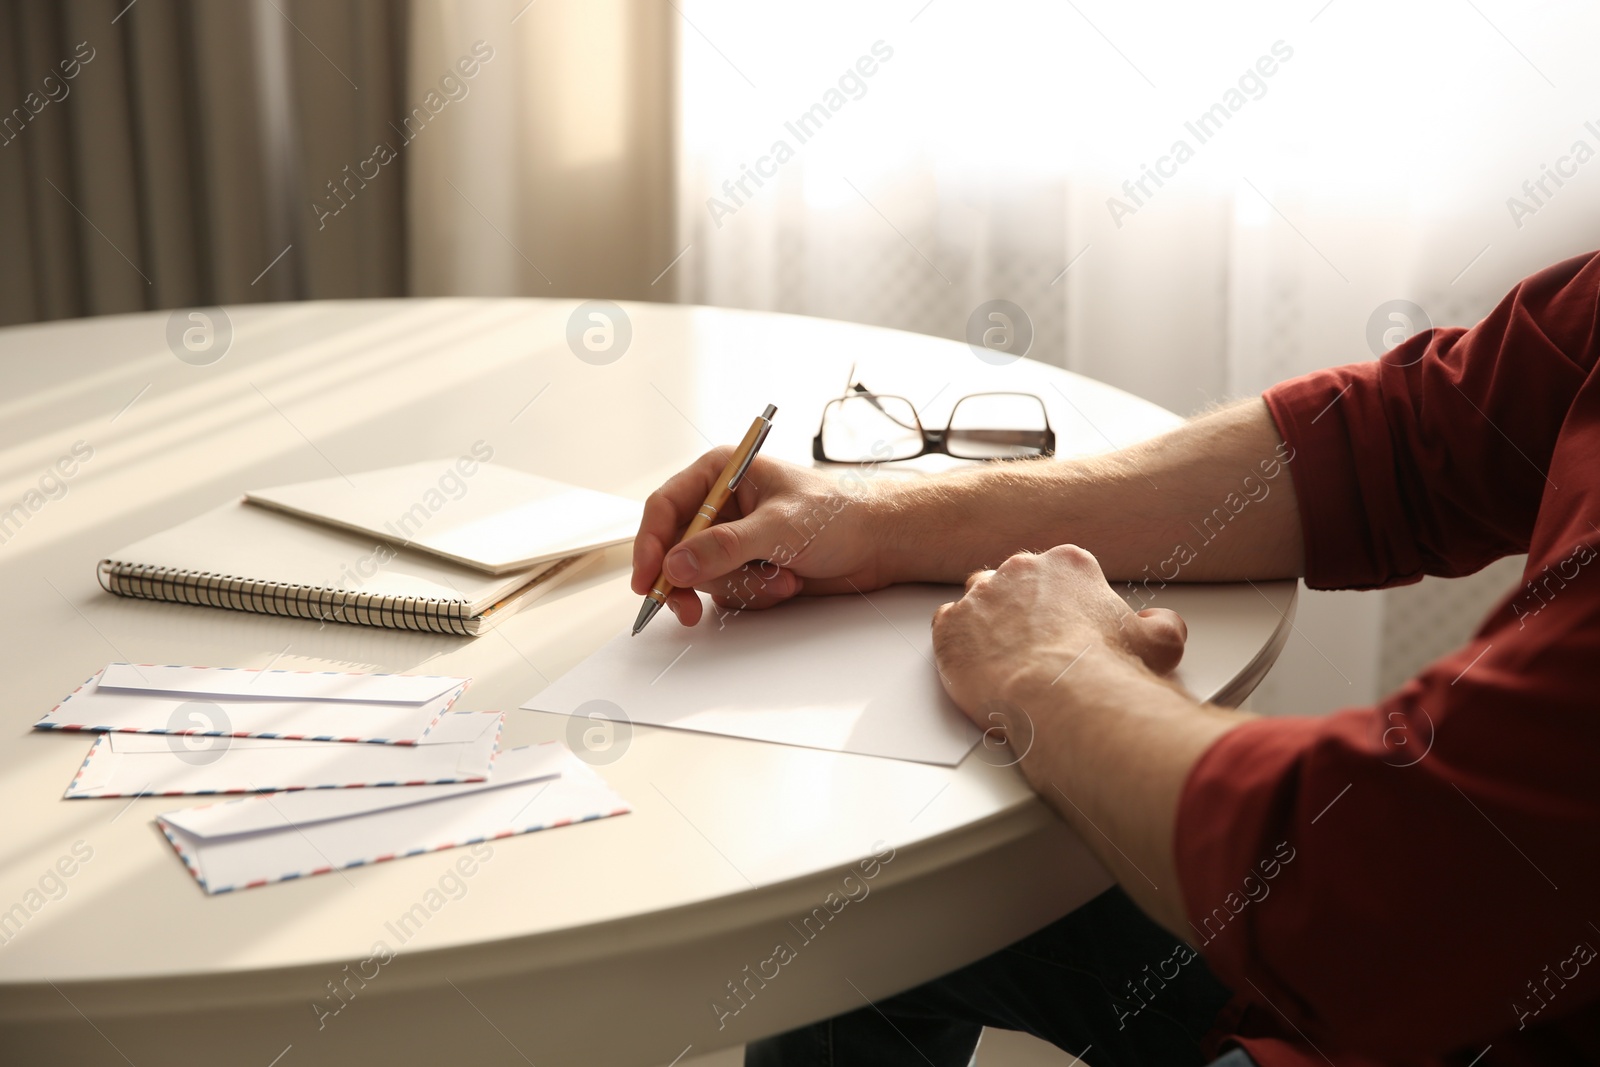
934,442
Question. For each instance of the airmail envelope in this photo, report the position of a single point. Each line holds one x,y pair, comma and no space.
389,709
460,748
278,837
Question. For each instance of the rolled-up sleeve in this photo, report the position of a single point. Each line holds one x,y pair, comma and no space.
1434,458
1400,880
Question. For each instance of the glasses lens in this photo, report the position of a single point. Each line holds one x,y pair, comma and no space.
997,426
867,427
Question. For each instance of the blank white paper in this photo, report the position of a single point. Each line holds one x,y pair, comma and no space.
497,519
848,673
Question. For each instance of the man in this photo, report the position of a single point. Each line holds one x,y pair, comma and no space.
1410,883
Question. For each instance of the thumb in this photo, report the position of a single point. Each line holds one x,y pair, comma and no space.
719,550
1157,636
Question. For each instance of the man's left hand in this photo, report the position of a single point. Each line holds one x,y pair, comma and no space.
1018,630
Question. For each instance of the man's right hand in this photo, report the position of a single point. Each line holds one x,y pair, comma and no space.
786,531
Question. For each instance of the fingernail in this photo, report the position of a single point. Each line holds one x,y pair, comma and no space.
682,567
672,606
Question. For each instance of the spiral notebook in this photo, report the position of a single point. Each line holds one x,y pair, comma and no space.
251,558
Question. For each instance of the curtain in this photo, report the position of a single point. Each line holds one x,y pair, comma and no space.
166,154
1189,201
550,171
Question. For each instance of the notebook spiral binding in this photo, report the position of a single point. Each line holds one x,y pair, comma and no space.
176,585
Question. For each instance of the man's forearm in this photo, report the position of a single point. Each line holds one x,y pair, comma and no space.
1111,748
1210,501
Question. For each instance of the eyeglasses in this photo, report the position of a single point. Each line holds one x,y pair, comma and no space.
867,427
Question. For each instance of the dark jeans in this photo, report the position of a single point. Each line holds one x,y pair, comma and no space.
1068,984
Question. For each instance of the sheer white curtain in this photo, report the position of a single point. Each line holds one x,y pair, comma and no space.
1335,156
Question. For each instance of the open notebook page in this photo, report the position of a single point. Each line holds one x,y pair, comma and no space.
496,519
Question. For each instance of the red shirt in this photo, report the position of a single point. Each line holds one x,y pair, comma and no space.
1418,882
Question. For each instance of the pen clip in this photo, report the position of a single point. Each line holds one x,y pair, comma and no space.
738,475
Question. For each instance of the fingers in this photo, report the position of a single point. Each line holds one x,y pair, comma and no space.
647,553
667,511
718,551
755,586
953,654
752,587
1080,558
685,604
1157,636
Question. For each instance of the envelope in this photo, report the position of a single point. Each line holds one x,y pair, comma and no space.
278,837
221,702
299,685
460,748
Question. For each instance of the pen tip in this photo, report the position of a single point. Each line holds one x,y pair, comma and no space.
647,611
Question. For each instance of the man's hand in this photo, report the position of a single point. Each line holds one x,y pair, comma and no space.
787,530
1020,629
1043,645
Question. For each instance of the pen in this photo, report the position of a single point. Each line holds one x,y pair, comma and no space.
721,490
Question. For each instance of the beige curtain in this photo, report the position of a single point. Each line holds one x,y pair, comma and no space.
550,170
164,154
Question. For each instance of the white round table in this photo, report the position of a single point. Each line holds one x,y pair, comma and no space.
606,943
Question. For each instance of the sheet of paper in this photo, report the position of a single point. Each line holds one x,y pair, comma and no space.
845,673
276,837
296,685
93,707
496,519
460,748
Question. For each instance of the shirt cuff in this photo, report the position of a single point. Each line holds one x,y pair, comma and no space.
1333,422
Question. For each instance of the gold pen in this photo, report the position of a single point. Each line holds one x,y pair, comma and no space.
721,490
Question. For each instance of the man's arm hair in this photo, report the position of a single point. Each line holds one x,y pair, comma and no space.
1213,500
